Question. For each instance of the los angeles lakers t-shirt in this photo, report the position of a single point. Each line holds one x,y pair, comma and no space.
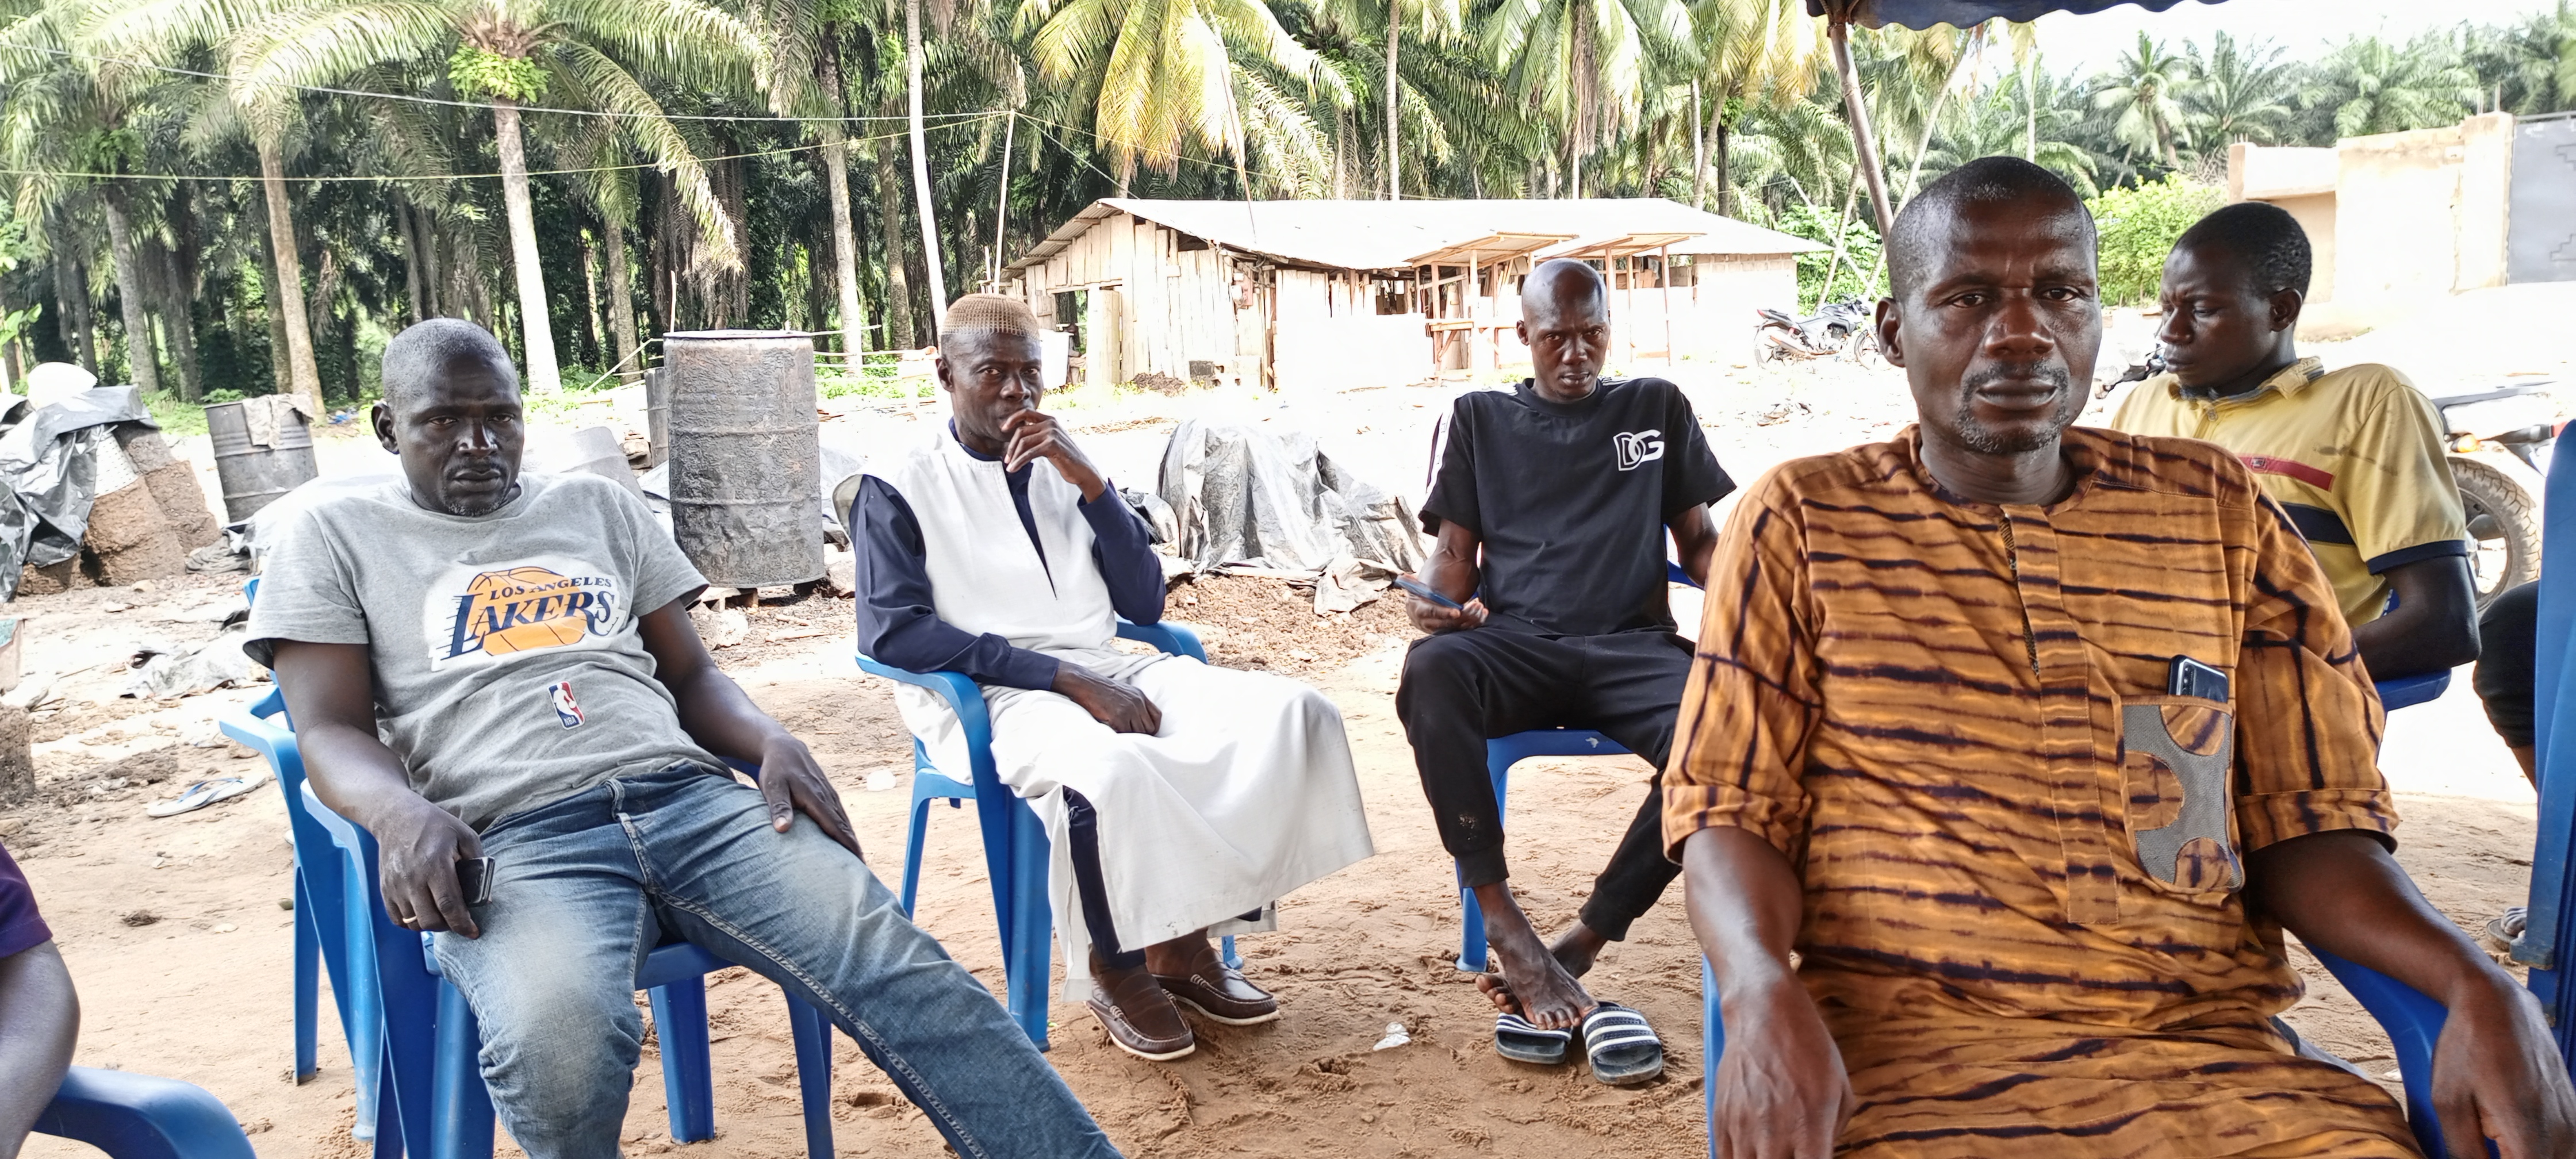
508,669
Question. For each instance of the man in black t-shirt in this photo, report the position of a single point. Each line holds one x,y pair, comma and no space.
1550,505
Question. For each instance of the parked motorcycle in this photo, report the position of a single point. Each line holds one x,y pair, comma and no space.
2500,442
1837,330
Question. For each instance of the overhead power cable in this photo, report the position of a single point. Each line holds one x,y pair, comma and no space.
66,173
450,102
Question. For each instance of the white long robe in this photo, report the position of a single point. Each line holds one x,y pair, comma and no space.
1244,794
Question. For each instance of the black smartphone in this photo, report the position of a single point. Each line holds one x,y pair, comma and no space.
474,879
2190,677
1425,591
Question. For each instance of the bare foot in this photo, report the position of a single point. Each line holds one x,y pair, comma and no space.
1578,948
1533,983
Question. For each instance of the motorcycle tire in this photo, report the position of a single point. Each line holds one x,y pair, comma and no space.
2504,531
1863,351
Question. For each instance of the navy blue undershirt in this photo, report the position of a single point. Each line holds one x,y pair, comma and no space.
897,623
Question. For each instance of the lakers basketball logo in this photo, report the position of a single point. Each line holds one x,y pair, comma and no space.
527,608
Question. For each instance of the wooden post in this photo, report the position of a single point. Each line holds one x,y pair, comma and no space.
1664,279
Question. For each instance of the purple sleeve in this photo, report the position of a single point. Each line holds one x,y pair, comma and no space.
21,927
1124,548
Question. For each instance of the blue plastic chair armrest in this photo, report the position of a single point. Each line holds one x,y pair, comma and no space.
2414,1024
963,697
1173,639
2405,691
132,1116
253,727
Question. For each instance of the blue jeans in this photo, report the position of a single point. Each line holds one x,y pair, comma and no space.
586,886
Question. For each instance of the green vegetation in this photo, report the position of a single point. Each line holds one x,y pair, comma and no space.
219,198
2139,225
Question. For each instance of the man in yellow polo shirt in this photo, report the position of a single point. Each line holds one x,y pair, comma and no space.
2353,456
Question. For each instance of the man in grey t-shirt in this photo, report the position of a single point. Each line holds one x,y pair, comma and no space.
481,664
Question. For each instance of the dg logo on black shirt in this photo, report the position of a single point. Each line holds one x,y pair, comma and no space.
1638,447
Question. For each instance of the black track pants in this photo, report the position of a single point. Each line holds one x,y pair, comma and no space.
1462,687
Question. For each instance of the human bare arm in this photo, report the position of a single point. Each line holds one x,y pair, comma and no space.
330,694
1452,571
1782,1092
2434,626
39,1022
2496,1073
1695,541
719,716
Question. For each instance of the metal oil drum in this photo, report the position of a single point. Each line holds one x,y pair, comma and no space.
253,476
657,416
745,455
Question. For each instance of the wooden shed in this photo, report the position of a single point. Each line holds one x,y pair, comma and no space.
1325,295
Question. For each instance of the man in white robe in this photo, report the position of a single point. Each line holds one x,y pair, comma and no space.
1179,798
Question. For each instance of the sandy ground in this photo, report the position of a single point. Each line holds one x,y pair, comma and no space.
177,933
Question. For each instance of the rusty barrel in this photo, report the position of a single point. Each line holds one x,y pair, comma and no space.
745,455
254,476
657,416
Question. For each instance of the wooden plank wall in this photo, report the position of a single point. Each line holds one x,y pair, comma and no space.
1179,304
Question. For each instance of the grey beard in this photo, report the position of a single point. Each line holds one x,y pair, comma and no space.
1987,441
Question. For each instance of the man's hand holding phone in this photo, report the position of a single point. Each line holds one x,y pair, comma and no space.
1434,612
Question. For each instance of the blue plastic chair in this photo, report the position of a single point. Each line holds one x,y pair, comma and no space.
2412,1020
133,1116
1501,753
2549,937
1016,850
413,1040
329,902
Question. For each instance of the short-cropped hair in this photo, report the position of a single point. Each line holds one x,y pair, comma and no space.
1911,245
2266,242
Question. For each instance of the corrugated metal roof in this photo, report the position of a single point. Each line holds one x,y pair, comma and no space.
1386,235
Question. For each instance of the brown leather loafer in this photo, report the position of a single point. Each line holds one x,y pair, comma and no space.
1221,993
1139,1016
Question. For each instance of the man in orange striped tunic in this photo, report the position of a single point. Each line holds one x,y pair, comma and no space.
2029,741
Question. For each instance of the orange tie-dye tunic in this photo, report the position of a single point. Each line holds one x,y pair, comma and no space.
2023,920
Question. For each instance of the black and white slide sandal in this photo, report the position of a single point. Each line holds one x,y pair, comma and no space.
1623,1050
1519,1040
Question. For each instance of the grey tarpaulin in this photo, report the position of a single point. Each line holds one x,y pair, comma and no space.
1245,495
49,476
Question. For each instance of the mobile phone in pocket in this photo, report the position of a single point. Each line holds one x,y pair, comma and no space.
2190,677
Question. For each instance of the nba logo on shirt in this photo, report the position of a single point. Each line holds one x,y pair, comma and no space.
1639,447
567,709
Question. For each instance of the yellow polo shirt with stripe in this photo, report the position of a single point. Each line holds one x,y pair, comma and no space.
2355,456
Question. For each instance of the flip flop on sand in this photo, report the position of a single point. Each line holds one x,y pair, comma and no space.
1519,1040
1623,1050
202,794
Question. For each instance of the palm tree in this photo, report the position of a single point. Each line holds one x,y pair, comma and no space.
921,164
2529,67
1433,19
62,115
509,53
1753,52
1165,77
2033,121
1583,63
804,40
2371,86
2242,92
2145,90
